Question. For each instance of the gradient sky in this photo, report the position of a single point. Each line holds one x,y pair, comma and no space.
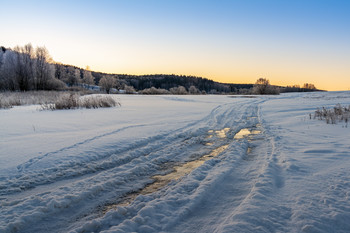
237,41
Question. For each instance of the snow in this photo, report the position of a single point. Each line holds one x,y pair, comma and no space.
177,164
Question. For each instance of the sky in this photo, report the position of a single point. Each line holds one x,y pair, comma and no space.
238,41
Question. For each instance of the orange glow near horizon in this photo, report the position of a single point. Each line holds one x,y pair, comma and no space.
287,42
320,78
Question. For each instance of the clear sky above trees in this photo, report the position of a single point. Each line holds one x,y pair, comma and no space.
238,41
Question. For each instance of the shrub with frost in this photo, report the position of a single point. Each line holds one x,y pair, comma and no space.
129,89
154,91
180,90
194,90
333,115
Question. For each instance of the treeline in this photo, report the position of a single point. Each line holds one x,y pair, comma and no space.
27,68
169,81
307,87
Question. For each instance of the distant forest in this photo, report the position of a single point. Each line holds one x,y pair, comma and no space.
27,68
168,81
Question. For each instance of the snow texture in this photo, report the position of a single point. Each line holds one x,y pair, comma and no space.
90,170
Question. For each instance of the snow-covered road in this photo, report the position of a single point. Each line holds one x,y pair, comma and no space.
177,164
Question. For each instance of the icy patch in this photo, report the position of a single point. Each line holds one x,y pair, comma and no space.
243,133
222,133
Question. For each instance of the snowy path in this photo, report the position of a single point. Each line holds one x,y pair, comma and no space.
176,164
63,188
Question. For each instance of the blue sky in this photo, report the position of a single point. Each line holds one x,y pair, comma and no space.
288,42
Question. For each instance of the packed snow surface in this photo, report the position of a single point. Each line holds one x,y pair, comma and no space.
177,164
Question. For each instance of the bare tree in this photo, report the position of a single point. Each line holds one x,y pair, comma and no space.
24,67
107,83
309,86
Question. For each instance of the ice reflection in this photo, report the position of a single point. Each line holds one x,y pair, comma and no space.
222,133
246,132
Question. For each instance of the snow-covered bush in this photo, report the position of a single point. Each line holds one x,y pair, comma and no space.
155,91
5,103
129,89
180,90
194,90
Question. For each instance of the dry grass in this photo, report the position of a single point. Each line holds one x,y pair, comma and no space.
98,102
333,115
52,100
74,101
10,99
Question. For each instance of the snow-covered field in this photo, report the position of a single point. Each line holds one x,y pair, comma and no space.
177,164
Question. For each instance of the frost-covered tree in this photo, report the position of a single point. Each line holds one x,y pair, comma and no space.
8,71
44,70
107,83
88,78
73,76
77,75
60,71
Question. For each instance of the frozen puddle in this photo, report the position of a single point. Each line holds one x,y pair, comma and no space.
243,133
218,133
250,134
179,171
222,133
